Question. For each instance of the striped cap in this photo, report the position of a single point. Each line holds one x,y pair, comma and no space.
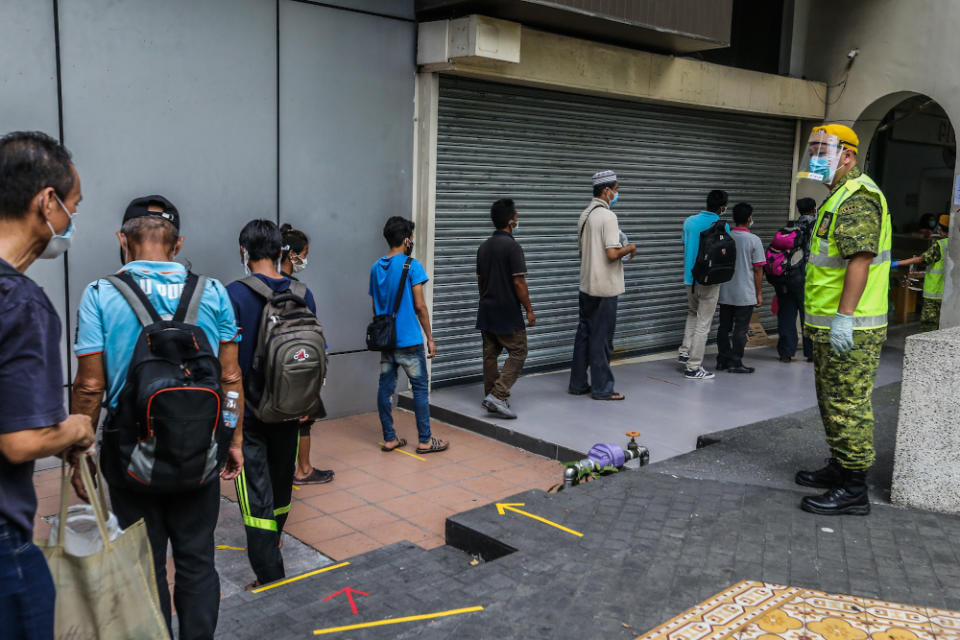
604,177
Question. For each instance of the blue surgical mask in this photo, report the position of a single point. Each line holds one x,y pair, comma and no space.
59,243
615,197
820,165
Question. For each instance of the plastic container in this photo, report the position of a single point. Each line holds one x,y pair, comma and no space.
231,410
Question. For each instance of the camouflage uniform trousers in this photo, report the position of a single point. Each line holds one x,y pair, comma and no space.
930,314
844,388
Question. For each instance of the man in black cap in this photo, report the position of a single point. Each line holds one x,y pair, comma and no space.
108,330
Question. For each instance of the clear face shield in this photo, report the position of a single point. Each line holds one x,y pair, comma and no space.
822,158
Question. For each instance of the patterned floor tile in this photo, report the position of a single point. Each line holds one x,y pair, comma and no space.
760,611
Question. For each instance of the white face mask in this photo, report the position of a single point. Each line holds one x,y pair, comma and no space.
245,257
58,244
298,267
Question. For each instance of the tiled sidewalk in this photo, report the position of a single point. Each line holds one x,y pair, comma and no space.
379,498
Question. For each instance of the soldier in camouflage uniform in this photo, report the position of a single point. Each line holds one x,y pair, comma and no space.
932,295
846,360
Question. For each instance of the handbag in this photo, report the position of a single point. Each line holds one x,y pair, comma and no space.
382,330
110,594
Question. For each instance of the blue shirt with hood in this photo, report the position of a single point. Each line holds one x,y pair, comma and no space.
107,324
384,280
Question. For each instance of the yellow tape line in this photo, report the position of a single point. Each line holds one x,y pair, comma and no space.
380,623
296,487
407,453
280,583
229,548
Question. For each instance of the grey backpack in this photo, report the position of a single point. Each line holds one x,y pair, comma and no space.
290,359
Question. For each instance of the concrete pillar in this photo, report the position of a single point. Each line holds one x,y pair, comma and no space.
925,470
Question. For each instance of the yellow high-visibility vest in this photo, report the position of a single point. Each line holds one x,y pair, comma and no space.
933,281
826,268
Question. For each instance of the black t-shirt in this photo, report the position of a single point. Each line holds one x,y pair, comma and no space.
499,259
31,386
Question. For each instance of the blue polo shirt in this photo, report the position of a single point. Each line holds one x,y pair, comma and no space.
106,324
692,228
384,280
31,386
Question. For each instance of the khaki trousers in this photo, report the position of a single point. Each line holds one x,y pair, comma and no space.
702,300
498,381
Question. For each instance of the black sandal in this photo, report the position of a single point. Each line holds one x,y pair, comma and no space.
435,446
400,443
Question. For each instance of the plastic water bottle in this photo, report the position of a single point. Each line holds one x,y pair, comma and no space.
231,410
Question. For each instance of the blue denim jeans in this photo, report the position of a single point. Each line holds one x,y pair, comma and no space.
790,301
26,588
413,360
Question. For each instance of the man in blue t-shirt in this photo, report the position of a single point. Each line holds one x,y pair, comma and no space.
107,332
701,298
385,276
265,486
39,192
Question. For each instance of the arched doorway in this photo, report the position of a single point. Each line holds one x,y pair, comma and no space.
912,156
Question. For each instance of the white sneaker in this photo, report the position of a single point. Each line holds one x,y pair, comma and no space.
498,407
698,374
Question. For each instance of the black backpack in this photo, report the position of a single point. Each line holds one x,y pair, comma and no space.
165,433
717,256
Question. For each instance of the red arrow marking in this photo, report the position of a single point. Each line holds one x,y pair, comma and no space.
349,591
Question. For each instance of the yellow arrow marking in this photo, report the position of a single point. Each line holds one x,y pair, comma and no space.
399,450
229,548
380,623
503,507
280,583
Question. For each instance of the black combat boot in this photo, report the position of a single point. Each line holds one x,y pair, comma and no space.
828,477
851,498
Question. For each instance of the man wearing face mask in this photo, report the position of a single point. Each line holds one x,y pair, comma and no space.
701,298
108,329
39,193
846,299
601,283
502,282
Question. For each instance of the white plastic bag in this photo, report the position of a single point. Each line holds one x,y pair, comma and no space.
81,537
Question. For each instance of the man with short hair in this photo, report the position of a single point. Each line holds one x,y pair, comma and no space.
601,283
108,329
413,315
741,294
39,193
502,280
846,305
701,298
265,485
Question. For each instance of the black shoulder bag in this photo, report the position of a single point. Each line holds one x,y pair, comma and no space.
382,330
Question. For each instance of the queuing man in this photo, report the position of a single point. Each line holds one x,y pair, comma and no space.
933,281
701,298
601,282
386,275
108,329
846,291
502,280
740,295
39,193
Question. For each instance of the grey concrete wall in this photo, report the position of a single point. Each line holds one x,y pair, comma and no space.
188,99
925,472
906,48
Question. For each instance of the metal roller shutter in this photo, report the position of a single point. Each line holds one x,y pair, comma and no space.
541,149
